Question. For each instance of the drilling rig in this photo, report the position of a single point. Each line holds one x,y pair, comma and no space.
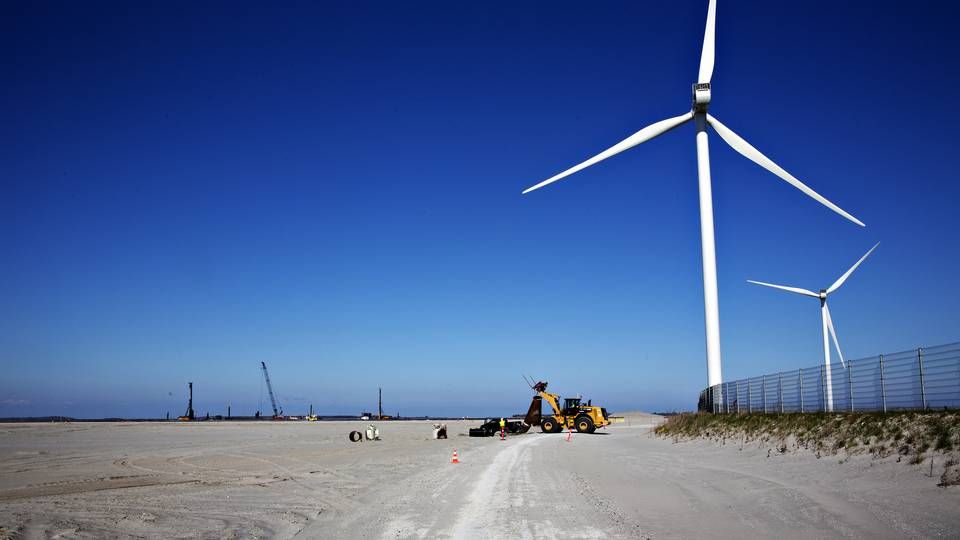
380,415
189,415
277,415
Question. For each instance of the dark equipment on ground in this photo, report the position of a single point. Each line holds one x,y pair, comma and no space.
189,414
277,415
573,415
492,427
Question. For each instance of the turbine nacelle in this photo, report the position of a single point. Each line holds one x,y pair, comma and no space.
701,97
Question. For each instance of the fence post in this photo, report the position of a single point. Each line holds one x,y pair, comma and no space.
780,390
749,397
923,391
726,402
823,388
763,392
883,388
738,396
729,401
800,382
850,383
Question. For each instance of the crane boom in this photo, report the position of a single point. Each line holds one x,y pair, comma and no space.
273,400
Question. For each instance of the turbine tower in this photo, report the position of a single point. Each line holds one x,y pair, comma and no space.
825,319
698,113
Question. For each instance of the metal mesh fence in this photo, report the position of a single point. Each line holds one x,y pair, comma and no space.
924,378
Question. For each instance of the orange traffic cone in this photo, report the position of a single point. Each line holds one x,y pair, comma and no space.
569,434
455,459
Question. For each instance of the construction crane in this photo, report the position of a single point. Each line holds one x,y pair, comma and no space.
277,415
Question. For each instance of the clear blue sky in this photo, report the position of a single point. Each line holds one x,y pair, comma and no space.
334,188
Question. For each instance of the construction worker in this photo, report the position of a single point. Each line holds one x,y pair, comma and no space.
503,425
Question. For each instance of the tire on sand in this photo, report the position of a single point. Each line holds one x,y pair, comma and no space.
550,425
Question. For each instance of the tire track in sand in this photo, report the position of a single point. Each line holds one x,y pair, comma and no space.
482,513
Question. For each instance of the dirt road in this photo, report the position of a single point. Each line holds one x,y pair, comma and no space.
628,484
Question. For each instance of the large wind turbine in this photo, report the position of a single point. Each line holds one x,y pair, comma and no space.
701,101
826,320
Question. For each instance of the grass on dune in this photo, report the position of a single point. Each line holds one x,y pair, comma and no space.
910,434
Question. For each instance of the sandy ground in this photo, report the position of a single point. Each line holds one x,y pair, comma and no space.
273,479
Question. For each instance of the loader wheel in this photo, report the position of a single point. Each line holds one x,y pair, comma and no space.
549,425
584,424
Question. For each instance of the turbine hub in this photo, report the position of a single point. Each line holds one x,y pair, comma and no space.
701,97
823,294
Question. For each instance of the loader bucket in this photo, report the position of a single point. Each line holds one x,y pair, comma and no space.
533,413
517,428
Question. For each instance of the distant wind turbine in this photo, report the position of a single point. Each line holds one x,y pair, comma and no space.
826,319
701,101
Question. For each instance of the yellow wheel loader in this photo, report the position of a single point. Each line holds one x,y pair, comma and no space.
573,415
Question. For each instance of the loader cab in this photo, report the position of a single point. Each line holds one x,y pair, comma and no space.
571,406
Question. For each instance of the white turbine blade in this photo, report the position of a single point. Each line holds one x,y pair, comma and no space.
751,153
836,285
706,56
833,334
791,289
641,136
